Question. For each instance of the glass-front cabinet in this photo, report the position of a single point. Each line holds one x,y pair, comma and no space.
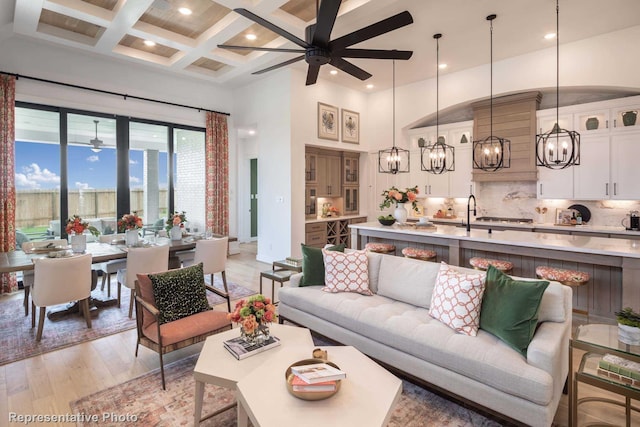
350,196
350,164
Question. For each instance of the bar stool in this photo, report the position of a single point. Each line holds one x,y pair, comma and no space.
380,248
573,278
421,254
484,263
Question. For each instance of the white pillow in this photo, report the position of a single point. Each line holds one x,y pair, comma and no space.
457,299
346,272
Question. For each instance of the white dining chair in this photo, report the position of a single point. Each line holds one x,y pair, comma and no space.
58,281
27,275
212,253
110,267
141,261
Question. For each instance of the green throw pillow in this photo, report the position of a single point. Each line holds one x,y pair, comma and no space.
180,293
313,265
510,308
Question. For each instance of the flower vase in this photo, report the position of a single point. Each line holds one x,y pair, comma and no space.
175,233
257,336
400,213
78,243
131,237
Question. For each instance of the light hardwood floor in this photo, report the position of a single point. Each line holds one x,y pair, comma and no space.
46,384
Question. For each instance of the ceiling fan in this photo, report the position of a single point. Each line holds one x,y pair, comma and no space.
319,49
97,143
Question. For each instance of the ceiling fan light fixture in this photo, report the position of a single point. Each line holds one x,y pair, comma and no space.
438,157
393,160
96,149
558,148
493,152
96,143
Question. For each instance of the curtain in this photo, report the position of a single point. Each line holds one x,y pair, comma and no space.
217,173
7,176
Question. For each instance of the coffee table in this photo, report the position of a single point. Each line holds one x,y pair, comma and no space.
217,366
366,397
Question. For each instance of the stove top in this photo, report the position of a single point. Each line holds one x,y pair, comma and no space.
505,220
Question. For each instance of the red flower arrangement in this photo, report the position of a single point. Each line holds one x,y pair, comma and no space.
75,225
176,219
129,222
253,312
394,195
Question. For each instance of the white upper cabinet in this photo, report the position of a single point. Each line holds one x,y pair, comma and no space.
591,181
625,168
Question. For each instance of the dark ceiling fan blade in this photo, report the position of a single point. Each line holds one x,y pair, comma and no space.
392,23
312,74
287,35
324,23
266,49
348,67
373,53
282,64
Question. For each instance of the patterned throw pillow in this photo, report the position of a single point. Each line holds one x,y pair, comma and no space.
180,293
457,298
346,272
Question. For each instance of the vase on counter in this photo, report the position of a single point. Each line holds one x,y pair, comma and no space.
78,243
257,336
131,237
175,233
400,213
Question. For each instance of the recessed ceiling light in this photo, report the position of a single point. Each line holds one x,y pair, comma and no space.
251,36
442,66
333,72
550,36
149,43
185,11
252,132
369,86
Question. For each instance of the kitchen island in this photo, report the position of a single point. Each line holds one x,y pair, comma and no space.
613,264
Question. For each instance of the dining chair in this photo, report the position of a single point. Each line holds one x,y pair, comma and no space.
59,281
110,267
27,275
212,253
141,261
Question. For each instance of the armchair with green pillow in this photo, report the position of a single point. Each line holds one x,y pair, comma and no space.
172,311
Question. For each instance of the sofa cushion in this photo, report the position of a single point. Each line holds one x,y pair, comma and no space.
205,322
510,308
313,264
412,330
407,280
346,272
457,298
179,293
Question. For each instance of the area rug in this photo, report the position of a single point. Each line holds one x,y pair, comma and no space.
17,338
141,401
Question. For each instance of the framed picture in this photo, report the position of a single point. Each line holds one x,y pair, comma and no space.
563,216
327,121
350,126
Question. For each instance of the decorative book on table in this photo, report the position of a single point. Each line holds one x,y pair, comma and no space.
317,373
299,384
242,349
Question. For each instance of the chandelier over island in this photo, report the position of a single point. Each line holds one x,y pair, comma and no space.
393,160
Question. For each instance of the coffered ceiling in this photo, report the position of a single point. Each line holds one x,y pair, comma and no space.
187,44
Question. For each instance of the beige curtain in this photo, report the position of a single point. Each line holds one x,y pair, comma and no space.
7,176
217,173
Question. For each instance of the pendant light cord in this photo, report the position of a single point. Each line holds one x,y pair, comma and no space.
437,84
394,102
557,63
491,18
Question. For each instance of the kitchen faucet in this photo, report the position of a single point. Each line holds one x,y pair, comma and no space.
469,210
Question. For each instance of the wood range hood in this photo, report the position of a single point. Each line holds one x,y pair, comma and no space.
514,118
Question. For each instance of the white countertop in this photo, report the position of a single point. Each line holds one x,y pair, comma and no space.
583,244
333,218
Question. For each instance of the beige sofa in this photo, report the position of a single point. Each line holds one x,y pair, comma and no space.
394,327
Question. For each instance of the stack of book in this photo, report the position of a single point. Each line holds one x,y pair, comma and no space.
318,377
620,369
242,349
293,261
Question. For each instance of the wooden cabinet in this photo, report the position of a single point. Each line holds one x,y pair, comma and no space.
351,168
350,200
333,232
329,175
311,168
316,234
310,201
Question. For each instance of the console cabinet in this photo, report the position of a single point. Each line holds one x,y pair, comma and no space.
333,232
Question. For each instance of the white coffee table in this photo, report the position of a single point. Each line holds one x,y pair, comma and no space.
217,366
366,397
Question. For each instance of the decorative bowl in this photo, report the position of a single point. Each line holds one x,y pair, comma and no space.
387,221
310,395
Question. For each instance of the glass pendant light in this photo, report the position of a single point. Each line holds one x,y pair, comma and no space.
438,157
393,160
493,152
558,148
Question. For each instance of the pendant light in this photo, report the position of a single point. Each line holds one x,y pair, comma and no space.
493,152
558,148
439,156
393,160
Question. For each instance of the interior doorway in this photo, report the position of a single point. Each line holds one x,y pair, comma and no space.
254,197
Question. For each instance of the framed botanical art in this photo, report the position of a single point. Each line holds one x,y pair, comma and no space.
327,121
350,126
